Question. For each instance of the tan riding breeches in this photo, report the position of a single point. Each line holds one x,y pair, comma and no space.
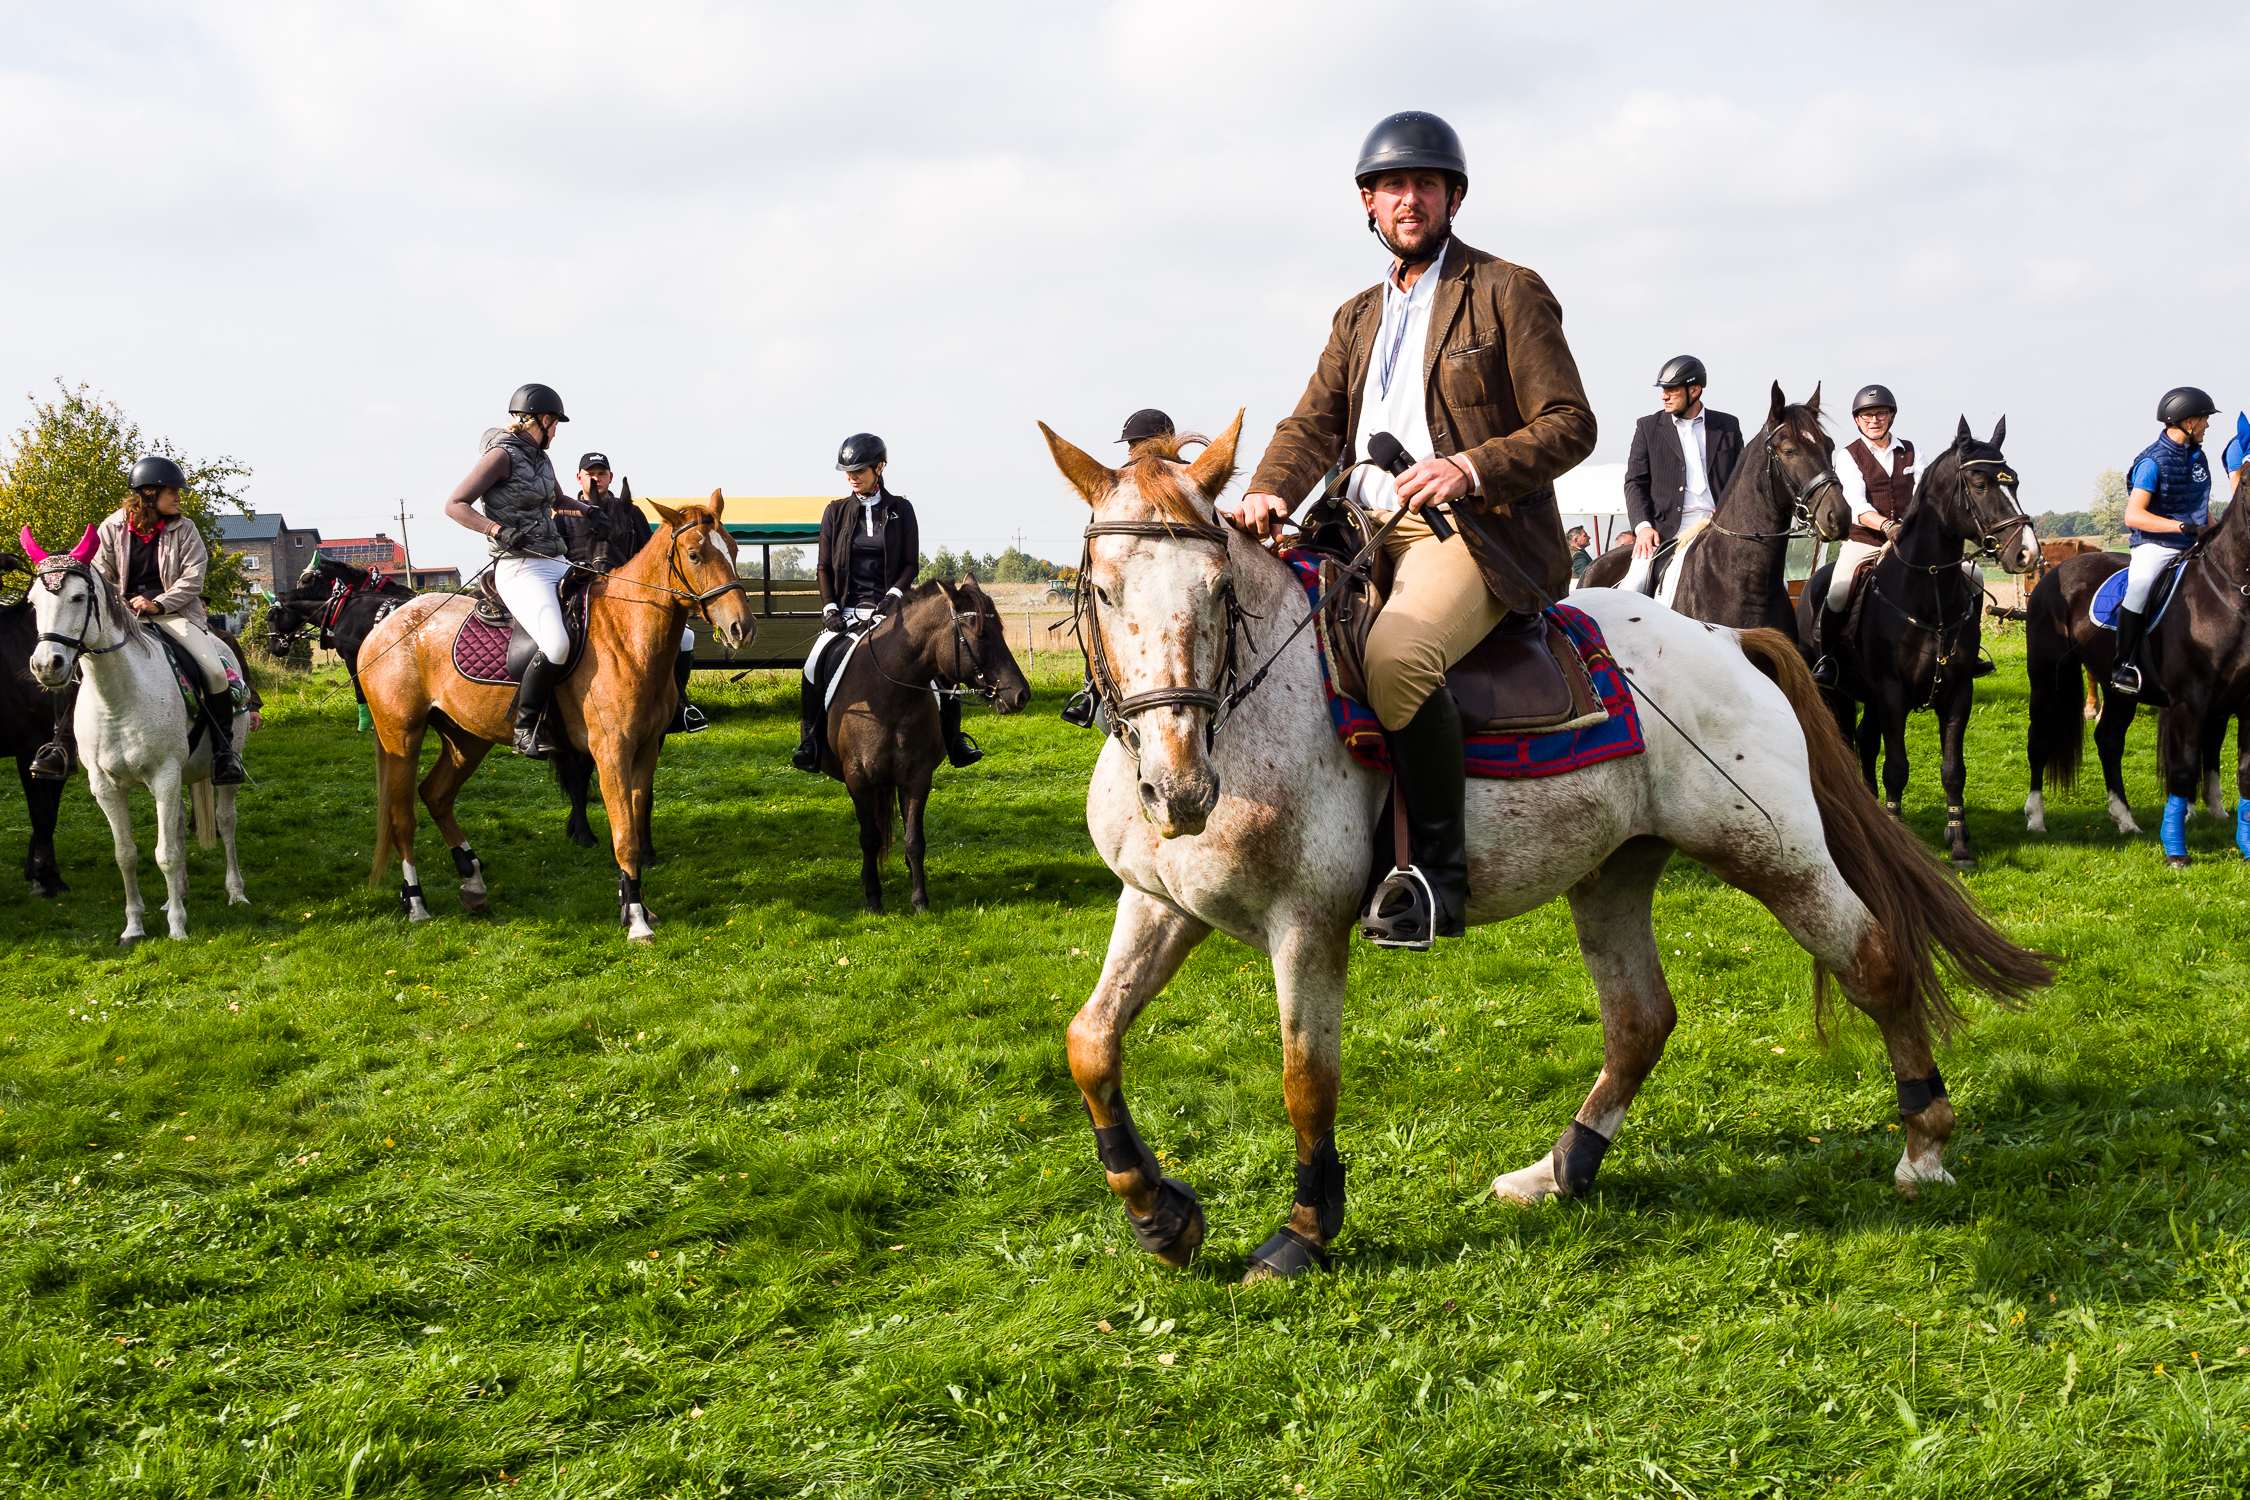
200,644
1438,609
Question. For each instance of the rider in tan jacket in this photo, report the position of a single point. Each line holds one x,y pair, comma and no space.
1461,357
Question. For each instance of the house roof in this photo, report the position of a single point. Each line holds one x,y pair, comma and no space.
250,528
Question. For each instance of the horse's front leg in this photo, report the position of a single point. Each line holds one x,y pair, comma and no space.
644,796
1147,945
871,802
43,799
1890,705
914,800
223,803
1953,772
624,838
1310,958
2181,744
116,805
171,846
1614,913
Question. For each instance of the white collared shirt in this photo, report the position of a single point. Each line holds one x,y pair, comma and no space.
867,504
1395,399
1696,502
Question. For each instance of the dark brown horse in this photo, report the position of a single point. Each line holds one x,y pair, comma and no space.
1731,572
1915,642
27,721
345,603
2201,651
881,738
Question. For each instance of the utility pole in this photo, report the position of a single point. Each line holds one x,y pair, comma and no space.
403,517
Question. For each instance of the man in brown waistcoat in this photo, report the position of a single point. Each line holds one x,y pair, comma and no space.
1880,485
1460,356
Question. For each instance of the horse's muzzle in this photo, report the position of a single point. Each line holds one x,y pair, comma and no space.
1179,805
49,667
1011,698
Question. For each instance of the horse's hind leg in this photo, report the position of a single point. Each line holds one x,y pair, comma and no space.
1147,945
171,846
399,803
459,755
1310,957
1613,911
2109,743
914,800
574,772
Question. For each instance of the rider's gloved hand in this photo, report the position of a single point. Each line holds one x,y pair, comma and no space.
513,539
2190,530
831,618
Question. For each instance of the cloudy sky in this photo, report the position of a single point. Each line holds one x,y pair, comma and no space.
330,239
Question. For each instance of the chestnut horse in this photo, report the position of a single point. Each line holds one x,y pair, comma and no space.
613,706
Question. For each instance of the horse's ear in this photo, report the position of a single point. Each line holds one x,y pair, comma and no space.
2000,432
1213,468
1780,404
671,516
1962,436
31,547
626,492
968,580
1813,405
718,505
88,545
1087,475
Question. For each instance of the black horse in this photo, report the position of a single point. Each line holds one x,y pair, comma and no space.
1733,572
1916,632
27,721
2201,653
345,602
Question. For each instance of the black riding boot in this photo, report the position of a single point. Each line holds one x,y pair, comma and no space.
810,711
226,761
687,718
1432,777
2125,676
1828,671
59,756
960,750
531,707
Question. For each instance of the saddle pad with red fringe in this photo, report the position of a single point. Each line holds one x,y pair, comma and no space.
1501,757
480,651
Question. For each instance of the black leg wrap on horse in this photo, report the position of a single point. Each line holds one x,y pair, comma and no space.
1578,1156
1918,1094
1287,1252
1320,1186
465,862
407,896
1177,1215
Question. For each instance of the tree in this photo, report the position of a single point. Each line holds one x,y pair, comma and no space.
2060,523
789,562
68,471
2109,506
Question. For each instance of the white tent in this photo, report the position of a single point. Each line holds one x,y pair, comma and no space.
1593,496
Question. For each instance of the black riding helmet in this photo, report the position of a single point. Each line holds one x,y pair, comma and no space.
537,400
156,472
1682,369
2183,402
1148,422
1871,397
861,450
1412,141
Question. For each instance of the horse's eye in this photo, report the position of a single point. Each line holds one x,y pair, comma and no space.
695,554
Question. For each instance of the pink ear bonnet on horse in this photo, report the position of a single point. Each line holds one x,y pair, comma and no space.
83,552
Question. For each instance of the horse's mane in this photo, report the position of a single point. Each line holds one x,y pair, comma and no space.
1155,471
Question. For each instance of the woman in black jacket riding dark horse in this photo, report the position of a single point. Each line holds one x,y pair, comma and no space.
870,552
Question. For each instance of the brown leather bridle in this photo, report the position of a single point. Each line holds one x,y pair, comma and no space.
1214,701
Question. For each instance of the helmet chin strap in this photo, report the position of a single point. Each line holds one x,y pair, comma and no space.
1429,252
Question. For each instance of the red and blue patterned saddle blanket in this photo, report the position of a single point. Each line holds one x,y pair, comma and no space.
1505,757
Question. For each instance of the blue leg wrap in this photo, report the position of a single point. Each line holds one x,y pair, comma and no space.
2174,829
2242,827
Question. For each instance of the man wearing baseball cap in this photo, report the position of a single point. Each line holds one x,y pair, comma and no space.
628,532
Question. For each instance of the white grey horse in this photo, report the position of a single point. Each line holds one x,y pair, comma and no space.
132,723
1264,834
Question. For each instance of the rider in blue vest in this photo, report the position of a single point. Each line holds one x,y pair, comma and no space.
2168,505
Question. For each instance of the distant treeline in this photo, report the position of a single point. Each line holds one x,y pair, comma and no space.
2104,521
1011,566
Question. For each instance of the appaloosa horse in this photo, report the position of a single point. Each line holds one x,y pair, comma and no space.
2201,650
1732,571
134,726
27,721
1241,812
613,705
1921,622
346,603
881,738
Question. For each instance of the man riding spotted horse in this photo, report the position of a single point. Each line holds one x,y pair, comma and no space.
1459,357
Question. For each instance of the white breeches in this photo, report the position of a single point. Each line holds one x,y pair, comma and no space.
2148,560
1848,558
200,644
527,586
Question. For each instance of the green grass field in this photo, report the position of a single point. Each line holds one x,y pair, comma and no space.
798,1201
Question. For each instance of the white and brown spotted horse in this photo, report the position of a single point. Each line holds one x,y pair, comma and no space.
1264,832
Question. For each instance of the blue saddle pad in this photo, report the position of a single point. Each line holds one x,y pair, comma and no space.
2111,595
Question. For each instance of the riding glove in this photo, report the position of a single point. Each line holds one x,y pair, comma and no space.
513,539
831,618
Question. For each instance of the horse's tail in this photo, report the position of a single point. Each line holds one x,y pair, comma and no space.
2056,741
1922,909
382,865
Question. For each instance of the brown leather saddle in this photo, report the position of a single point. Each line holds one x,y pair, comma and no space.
1523,677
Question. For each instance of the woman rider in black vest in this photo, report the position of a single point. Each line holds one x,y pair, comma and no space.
870,551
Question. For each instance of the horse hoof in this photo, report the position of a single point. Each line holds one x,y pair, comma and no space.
1285,1255
1174,1228
1964,861
474,903
2177,861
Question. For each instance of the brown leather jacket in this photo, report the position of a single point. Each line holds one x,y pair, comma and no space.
1503,389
